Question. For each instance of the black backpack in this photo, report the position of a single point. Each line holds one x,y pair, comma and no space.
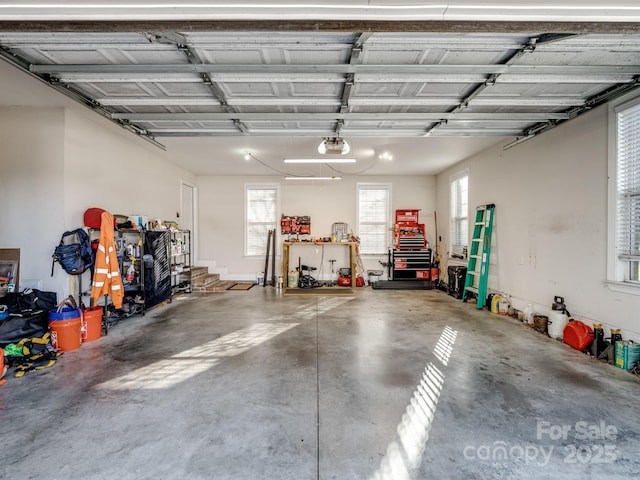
74,252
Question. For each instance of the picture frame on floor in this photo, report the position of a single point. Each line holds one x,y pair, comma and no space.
8,274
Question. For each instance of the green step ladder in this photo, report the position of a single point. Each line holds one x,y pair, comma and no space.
475,283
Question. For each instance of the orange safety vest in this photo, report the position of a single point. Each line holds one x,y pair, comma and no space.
106,276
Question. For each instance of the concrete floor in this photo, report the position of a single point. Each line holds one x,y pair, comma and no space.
381,385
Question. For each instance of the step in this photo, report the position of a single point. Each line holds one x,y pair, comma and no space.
198,272
205,280
217,286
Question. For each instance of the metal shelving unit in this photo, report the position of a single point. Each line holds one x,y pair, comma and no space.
129,248
180,257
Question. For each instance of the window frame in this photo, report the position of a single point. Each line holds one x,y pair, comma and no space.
259,186
453,220
387,224
616,270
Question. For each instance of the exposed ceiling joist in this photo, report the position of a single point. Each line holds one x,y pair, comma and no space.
315,132
295,117
323,69
353,101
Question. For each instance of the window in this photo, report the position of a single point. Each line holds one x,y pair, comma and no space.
459,214
261,203
373,218
627,192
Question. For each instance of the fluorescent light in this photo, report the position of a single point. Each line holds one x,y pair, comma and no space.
313,178
319,160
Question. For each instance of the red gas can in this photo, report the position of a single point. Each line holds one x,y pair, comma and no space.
578,335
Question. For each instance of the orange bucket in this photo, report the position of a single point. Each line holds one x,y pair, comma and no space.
3,368
91,324
66,335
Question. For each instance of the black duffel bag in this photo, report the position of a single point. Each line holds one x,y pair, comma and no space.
30,323
30,299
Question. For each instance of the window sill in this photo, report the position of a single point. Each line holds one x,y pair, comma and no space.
457,261
623,287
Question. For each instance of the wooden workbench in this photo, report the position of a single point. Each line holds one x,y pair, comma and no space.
285,257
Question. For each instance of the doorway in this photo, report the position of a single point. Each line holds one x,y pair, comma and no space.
188,214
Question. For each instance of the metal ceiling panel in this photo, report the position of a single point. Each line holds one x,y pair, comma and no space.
310,83
546,90
457,41
241,39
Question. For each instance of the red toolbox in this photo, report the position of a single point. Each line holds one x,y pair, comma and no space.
408,233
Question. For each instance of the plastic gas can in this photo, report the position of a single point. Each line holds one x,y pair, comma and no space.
578,335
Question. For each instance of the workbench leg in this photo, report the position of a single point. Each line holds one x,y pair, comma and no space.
285,266
354,266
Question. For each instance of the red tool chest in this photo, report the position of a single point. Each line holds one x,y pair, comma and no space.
408,233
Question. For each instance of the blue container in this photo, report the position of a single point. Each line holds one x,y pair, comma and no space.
67,313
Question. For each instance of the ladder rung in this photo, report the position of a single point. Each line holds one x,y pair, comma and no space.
476,240
475,256
471,289
479,223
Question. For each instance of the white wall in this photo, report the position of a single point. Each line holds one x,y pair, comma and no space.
110,168
57,162
551,221
31,189
221,218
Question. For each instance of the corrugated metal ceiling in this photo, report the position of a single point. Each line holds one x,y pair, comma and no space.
351,84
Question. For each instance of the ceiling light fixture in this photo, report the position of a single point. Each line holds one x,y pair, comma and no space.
319,160
385,156
337,146
313,178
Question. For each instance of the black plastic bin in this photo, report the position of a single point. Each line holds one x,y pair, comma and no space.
457,275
